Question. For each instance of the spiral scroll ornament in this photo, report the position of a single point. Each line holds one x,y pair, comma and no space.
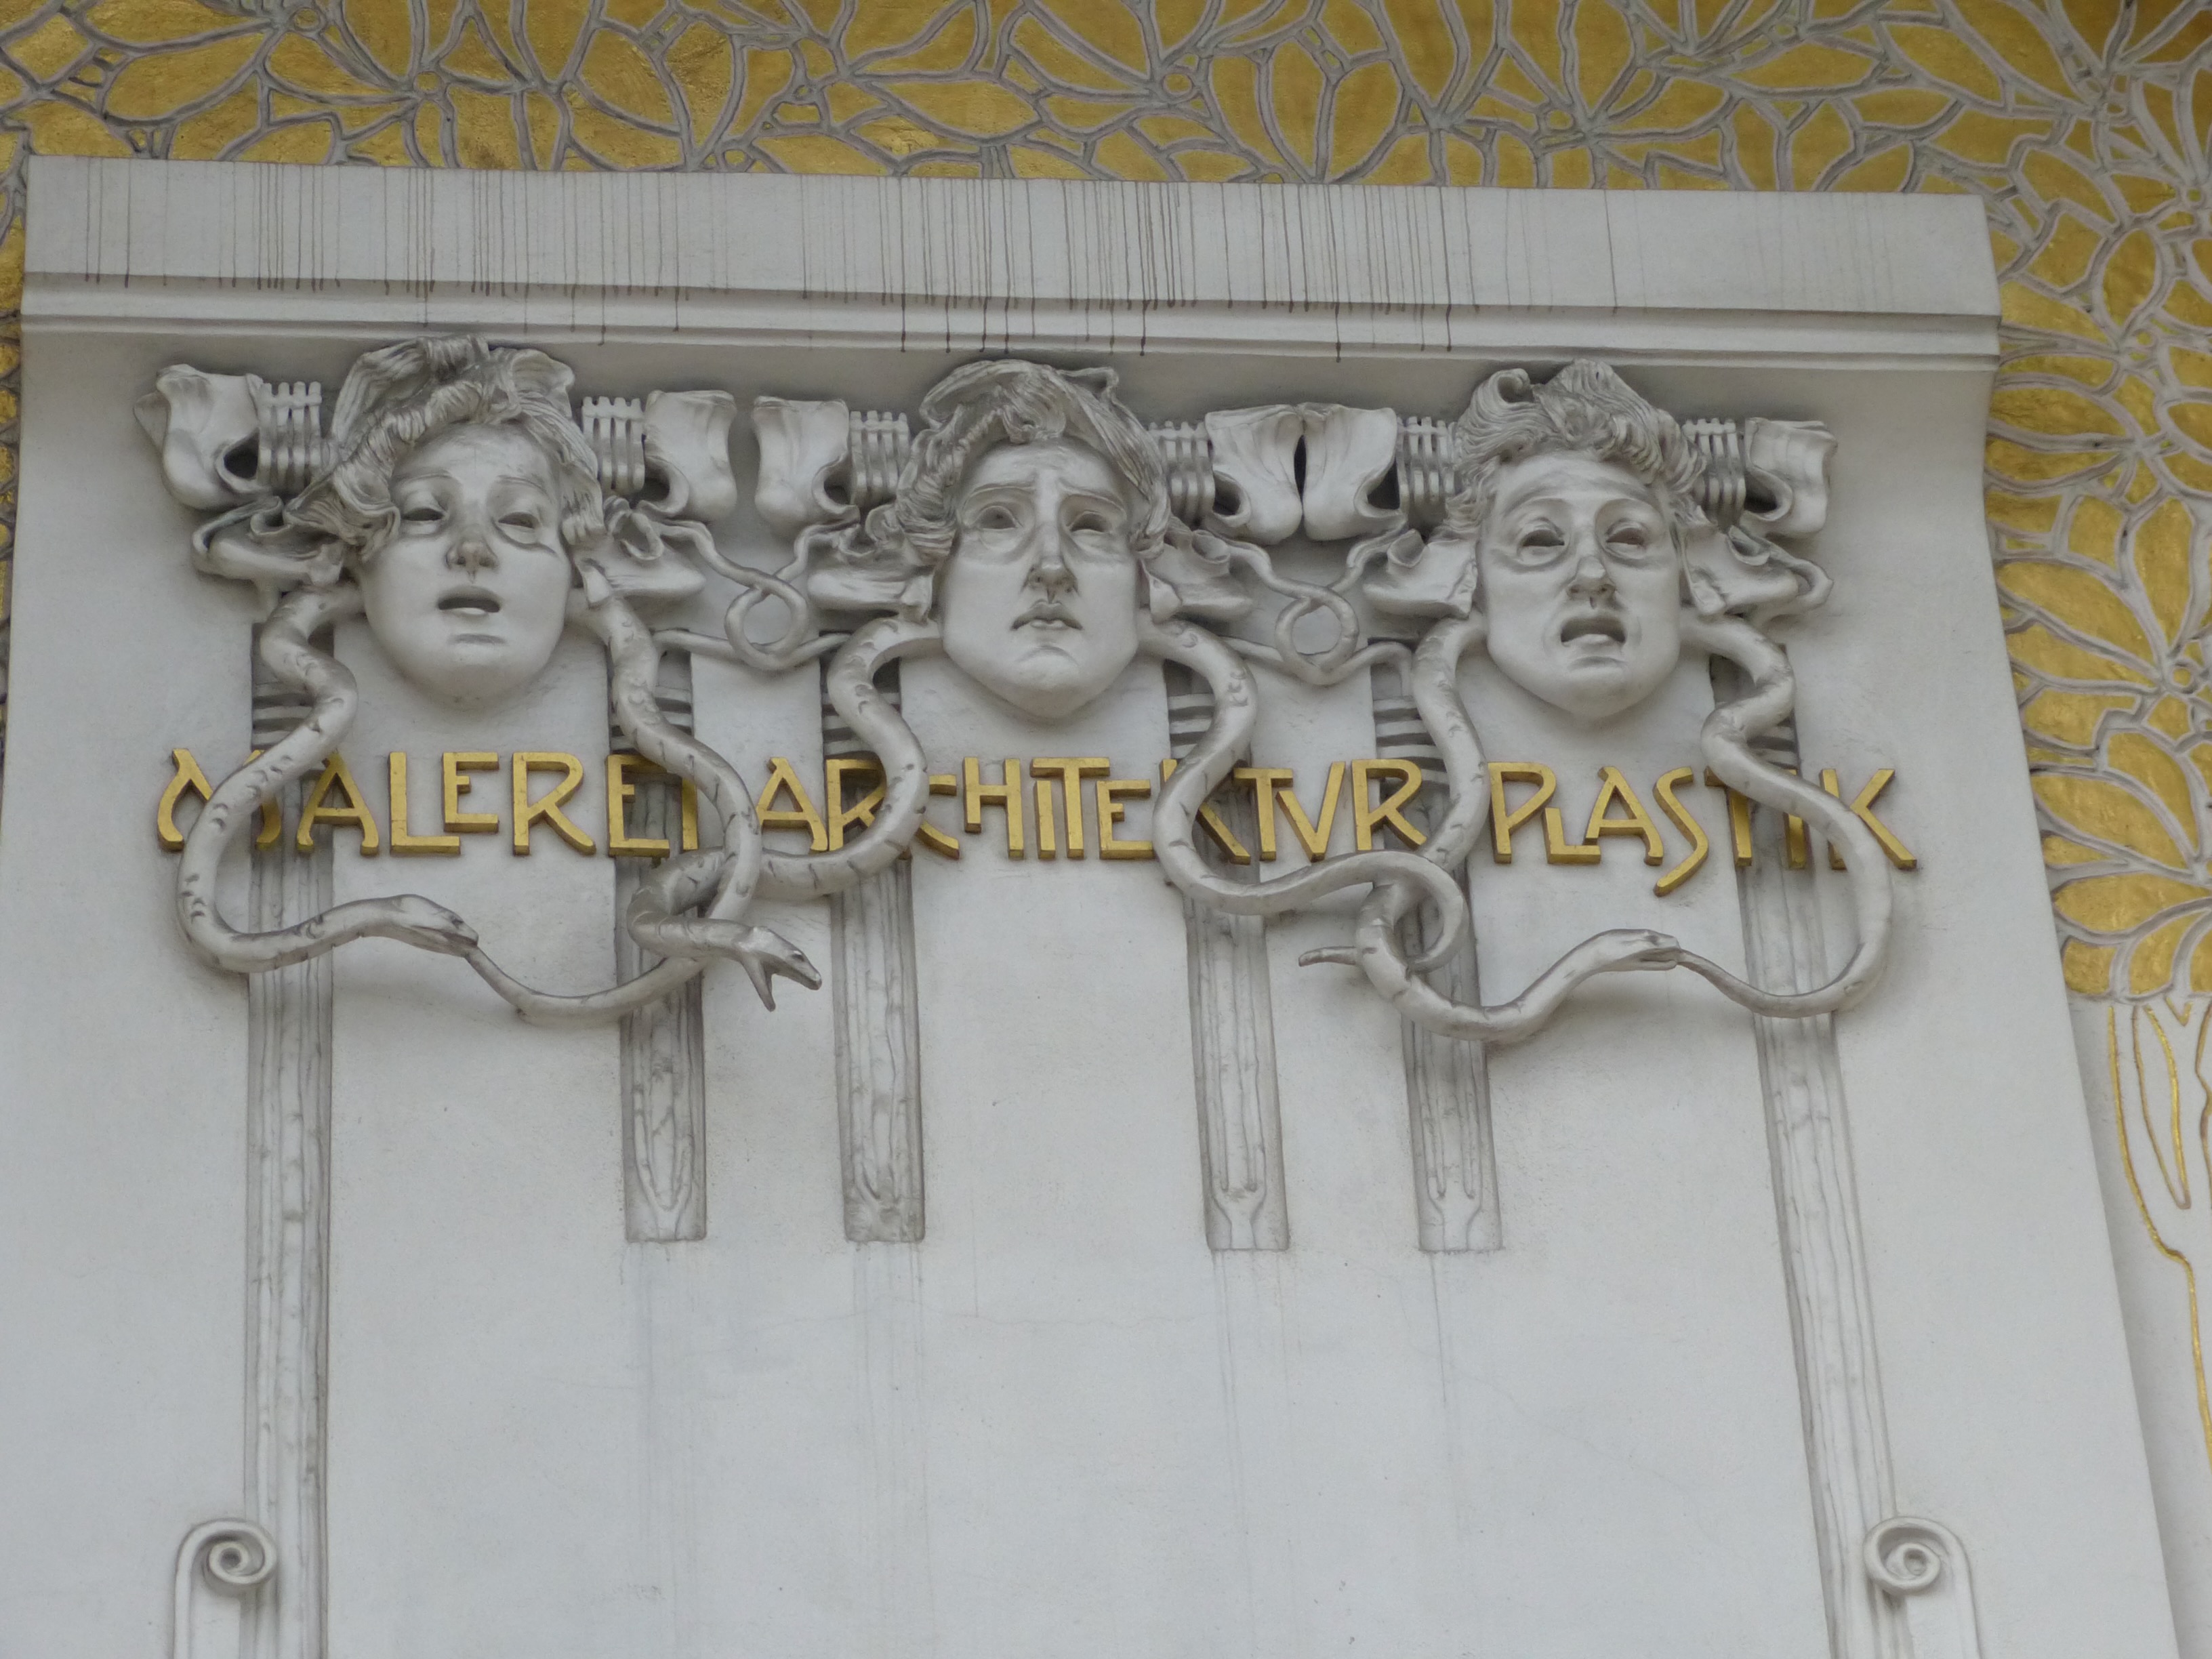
1922,1565
234,1557
1906,1556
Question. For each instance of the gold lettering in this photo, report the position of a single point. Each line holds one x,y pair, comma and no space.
457,822
621,844
1264,780
940,783
1210,820
1366,815
1110,810
1739,809
335,799
1504,822
1558,849
1312,836
1862,806
528,811
188,776
336,775
1613,787
405,845
1275,788
1006,793
842,816
1071,774
799,814
1048,827
1699,846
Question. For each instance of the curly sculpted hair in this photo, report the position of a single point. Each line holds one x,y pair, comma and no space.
981,406
396,398
1586,409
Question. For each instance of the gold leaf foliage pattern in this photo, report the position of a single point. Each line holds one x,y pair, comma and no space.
2084,126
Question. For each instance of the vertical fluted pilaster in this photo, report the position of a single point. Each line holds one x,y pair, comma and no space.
1447,1079
873,988
1232,1028
289,1026
664,1054
1816,1201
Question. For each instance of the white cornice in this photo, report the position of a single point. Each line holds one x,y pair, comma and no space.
1038,264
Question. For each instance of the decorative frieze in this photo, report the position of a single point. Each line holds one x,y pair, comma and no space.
1033,531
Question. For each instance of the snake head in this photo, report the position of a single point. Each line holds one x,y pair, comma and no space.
763,955
413,920
1637,949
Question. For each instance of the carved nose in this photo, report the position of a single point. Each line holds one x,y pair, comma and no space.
473,553
1592,575
1050,571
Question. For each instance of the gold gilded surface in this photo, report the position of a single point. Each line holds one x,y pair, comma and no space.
2082,125
2162,1117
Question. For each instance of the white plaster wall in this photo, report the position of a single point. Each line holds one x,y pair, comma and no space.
122,1060
1061,1423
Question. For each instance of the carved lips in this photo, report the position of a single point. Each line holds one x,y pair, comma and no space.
470,601
1600,625
1582,584
477,503
1040,595
1048,613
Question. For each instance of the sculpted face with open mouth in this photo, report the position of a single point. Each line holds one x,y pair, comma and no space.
1039,595
469,595
1581,581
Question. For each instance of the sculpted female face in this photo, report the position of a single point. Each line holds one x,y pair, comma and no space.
1581,582
1039,600
470,595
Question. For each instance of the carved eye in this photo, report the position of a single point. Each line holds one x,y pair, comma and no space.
1629,535
422,515
995,518
525,523
1088,524
1542,539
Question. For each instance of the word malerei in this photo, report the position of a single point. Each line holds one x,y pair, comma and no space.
1049,801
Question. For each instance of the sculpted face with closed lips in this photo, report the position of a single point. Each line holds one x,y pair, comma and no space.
1580,580
469,595
1039,598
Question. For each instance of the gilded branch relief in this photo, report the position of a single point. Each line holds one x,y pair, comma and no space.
2162,1112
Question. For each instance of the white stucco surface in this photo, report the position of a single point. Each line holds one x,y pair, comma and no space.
1061,1423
